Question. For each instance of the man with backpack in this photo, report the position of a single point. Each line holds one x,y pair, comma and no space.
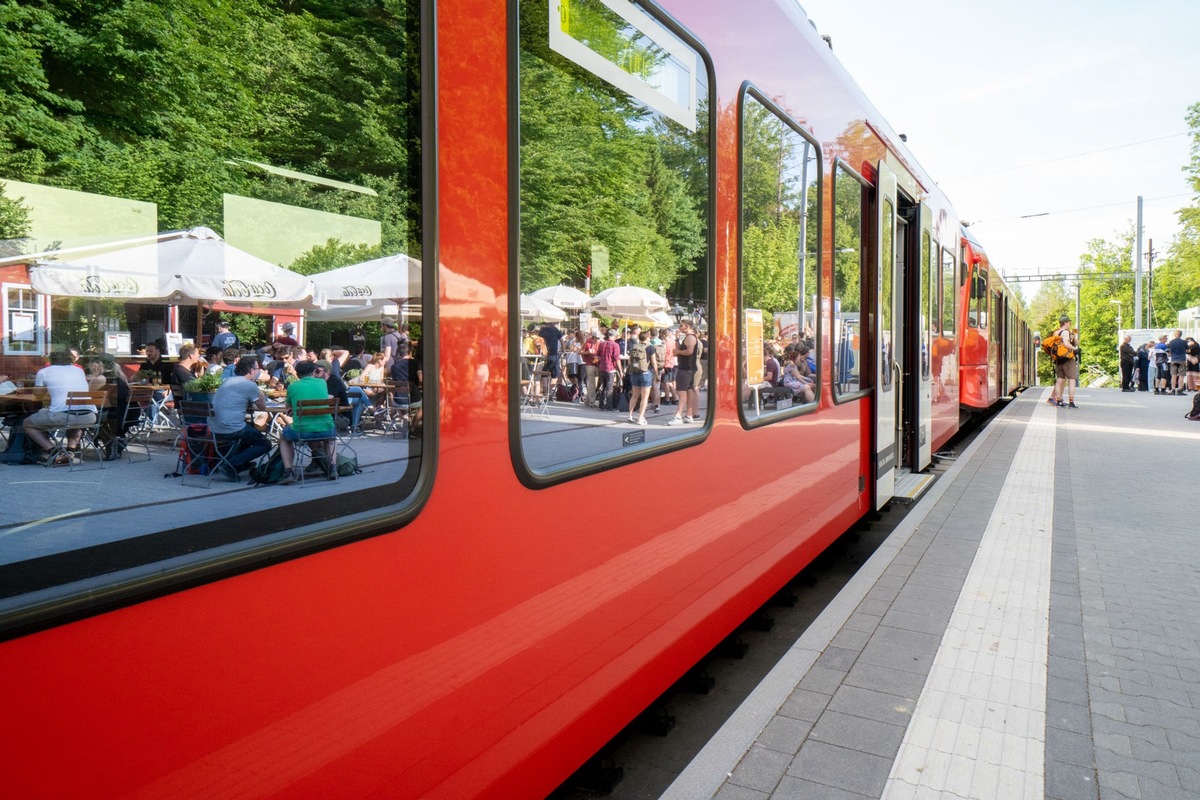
1066,368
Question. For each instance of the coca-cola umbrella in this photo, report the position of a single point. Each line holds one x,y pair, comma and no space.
628,302
185,266
566,297
367,290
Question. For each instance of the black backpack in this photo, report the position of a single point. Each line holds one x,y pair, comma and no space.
267,471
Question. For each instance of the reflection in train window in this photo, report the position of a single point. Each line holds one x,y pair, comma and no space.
614,235
887,269
254,181
928,298
780,194
851,313
945,362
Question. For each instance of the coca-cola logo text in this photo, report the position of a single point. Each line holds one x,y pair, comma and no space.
356,291
95,284
243,290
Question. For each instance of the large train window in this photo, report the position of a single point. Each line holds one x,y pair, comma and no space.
947,343
928,298
851,311
977,312
610,283
197,207
780,213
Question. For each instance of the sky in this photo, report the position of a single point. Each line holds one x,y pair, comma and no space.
1069,109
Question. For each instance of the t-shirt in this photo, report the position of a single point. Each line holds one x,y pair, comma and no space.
225,339
1177,348
552,336
61,379
391,339
230,402
407,370
309,388
180,375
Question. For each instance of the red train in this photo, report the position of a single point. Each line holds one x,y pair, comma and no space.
495,600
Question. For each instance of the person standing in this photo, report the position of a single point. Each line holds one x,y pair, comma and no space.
1143,367
590,369
687,357
285,336
389,343
1066,368
642,369
225,338
552,335
1193,364
608,355
1177,358
1128,356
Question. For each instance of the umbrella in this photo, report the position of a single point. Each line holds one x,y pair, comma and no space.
567,297
186,265
533,308
633,302
388,279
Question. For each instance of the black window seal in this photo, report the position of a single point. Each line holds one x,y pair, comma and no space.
748,89
97,593
540,479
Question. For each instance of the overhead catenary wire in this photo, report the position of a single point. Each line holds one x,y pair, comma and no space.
1064,158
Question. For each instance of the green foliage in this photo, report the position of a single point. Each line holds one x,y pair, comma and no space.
208,382
14,222
1176,282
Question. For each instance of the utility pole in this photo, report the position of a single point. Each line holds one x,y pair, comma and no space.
1150,287
1137,284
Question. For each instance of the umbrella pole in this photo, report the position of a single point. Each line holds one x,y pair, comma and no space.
199,326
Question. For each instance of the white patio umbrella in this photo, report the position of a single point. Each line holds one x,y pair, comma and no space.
533,308
389,278
566,297
193,265
629,302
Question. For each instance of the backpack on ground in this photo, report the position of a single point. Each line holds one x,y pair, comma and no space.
566,392
269,470
639,361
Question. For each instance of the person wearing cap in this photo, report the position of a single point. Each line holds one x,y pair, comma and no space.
225,338
1162,365
389,343
608,364
1066,371
285,337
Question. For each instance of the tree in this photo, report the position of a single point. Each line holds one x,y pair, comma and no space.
1176,282
1098,317
14,223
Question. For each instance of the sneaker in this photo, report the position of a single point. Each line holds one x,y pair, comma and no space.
689,420
1050,401
642,421
290,476
331,472
1072,404
229,472
1060,404
675,421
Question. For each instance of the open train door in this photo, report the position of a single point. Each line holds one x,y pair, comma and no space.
886,281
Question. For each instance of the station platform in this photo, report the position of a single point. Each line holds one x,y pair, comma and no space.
1031,629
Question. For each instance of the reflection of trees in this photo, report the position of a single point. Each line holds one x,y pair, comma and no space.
166,104
847,240
599,168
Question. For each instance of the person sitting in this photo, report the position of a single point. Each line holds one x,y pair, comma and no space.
408,369
242,442
59,379
309,386
352,396
182,372
796,376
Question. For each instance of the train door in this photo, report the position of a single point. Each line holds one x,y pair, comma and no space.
886,392
919,321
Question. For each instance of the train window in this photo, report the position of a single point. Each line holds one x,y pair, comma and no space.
946,344
196,209
928,298
978,310
780,207
614,180
886,292
851,311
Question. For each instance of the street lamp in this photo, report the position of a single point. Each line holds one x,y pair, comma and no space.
1117,303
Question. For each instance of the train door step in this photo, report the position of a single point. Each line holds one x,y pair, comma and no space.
911,485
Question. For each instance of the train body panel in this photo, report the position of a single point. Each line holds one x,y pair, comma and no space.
488,647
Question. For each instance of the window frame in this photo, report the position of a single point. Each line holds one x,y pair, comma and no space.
528,476
865,280
41,311
87,593
748,89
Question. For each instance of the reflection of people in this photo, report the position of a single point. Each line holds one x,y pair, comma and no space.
686,360
310,386
408,370
59,379
286,336
225,338
230,403
389,343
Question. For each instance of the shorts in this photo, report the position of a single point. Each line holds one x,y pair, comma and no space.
642,379
1066,370
46,420
667,375
293,435
1178,368
685,379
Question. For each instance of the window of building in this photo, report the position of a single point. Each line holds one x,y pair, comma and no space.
851,312
615,147
781,174
289,168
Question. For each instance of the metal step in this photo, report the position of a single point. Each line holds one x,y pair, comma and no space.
911,485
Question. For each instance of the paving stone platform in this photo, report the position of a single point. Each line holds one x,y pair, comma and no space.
1032,629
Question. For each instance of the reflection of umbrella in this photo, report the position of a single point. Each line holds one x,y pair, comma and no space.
189,265
534,308
629,301
388,278
567,297
659,319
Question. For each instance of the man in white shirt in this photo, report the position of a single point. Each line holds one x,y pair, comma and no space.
59,379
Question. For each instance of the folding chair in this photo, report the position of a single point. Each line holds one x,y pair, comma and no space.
80,405
397,409
200,452
314,408
136,425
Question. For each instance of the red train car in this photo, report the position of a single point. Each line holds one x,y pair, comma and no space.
501,592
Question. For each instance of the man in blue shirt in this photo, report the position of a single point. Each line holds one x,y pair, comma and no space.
224,338
1177,356
232,400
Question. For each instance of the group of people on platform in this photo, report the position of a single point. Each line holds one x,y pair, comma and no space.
1169,366
630,370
